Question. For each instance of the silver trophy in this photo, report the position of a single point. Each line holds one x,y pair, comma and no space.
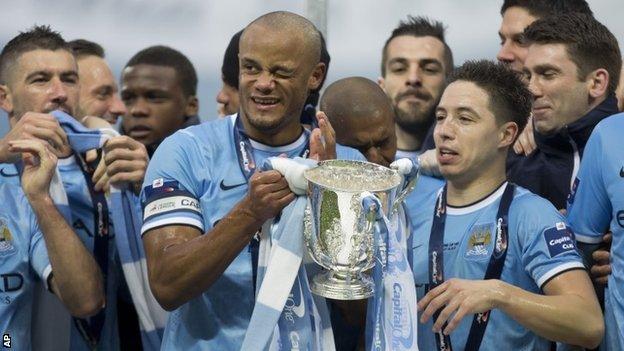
338,230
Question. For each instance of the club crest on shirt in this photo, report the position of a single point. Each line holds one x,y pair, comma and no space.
6,239
479,241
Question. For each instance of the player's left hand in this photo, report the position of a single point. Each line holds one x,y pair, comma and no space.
39,166
126,161
459,298
323,139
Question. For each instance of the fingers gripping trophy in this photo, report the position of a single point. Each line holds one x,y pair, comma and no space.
346,223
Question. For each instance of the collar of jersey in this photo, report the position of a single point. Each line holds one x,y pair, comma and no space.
282,148
475,206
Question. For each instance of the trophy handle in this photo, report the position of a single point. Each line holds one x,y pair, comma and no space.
410,169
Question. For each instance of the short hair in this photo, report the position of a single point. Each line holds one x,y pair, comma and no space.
544,8
510,99
82,47
36,38
229,68
160,55
419,26
589,44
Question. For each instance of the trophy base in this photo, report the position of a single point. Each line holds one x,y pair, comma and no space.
335,286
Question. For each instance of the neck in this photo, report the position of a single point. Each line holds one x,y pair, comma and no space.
281,135
409,141
462,193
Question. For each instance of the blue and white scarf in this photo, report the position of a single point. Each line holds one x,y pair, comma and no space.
392,318
287,316
127,223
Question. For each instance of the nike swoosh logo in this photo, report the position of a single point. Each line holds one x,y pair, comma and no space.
622,172
300,309
5,174
228,187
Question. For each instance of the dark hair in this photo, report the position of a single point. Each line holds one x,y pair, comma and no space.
229,68
419,27
82,47
165,56
510,99
38,37
543,8
589,44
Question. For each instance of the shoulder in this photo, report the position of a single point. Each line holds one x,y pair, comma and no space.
348,153
531,212
611,128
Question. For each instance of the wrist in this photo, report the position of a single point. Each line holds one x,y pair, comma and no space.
501,294
39,200
244,213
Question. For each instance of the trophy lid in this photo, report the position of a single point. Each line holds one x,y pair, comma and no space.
353,176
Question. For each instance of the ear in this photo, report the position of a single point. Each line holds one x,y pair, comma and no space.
507,134
318,74
598,82
6,99
382,83
192,106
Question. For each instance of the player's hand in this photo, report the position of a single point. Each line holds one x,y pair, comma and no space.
458,298
323,139
268,195
601,269
429,163
125,162
40,126
39,166
525,144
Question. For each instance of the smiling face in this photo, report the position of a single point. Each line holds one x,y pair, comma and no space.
514,48
414,78
466,134
42,81
98,90
276,74
559,97
156,104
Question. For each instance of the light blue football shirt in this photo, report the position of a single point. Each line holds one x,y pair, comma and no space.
540,248
23,260
595,205
195,179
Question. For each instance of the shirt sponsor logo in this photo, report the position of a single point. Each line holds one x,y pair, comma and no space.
559,239
10,282
6,239
619,217
479,241
5,173
169,204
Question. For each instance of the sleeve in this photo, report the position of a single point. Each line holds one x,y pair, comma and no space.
547,243
37,252
589,208
170,194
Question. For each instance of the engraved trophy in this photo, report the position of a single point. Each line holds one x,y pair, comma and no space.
339,229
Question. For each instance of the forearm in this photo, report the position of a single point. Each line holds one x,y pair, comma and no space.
182,271
554,317
77,278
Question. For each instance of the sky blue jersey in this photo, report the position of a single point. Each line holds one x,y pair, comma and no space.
23,259
541,247
84,226
595,205
195,179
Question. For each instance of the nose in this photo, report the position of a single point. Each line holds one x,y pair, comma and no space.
505,54
373,155
413,76
443,130
139,108
534,86
265,82
117,107
58,91
222,97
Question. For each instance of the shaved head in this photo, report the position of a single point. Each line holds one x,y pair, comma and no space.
363,117
296,27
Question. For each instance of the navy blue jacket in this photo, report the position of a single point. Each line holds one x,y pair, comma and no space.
550,170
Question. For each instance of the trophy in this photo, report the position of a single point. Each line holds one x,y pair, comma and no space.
339,225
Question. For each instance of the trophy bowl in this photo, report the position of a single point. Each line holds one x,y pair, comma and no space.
338,230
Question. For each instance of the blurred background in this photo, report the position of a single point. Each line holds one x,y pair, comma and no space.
356,29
